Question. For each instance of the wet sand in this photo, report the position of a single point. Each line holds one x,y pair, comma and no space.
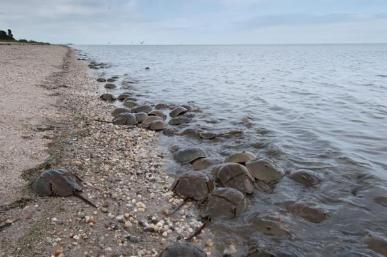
52,117
24,106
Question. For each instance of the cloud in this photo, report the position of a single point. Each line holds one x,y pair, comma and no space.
307,19
189,21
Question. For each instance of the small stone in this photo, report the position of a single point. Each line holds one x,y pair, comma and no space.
120,218
127,224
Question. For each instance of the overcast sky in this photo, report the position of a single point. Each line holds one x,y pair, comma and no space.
196,21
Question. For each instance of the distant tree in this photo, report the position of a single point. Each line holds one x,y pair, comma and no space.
10,35
6,36
3,35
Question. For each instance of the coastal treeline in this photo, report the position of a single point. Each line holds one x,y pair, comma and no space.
7,36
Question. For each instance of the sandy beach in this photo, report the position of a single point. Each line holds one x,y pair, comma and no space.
52,117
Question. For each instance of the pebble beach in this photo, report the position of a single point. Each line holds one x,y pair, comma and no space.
121,169
102,159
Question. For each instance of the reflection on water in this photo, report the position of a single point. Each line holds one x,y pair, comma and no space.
318,108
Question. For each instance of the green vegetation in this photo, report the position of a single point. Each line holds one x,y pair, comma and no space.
4,36
8,37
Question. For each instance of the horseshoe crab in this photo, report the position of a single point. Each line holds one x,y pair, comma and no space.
182,250
189,132
161,106
189,155
110,86
193,186
158,113
207,135
141,116
314,215
178,111
142,108
59,182
118,111
101,79
241,158
202,164
178,121
270,226
305,177
381,200
157,125
108,97
125,118
236,176
123,96
225,202
129,103
376,243
169,131
148,120
265,171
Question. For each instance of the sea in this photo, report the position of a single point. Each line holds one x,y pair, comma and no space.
321,108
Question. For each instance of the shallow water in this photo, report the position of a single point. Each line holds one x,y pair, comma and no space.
317,107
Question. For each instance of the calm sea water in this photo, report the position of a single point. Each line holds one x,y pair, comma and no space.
316,107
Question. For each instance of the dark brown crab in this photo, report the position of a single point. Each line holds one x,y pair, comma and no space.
194,186
223,202
236,176
59,182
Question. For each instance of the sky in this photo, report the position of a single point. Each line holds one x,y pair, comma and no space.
196,21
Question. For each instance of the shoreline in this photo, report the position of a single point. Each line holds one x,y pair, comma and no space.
122,172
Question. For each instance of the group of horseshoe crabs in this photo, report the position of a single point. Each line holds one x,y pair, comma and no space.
223,190
146,116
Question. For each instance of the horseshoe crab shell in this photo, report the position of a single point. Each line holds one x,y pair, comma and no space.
189,155
130,103
141,116
118,111
196,186
157,125
57,182
158,113
241,158
125,118
225,202
270,226
305,177
265,171
179,121
178,111
236,176
182,250
311,214
202,163
148,120
142,108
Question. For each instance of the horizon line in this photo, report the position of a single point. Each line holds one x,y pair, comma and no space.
227,44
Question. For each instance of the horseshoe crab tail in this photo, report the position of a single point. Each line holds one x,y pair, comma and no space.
199,230
177,208
80,196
